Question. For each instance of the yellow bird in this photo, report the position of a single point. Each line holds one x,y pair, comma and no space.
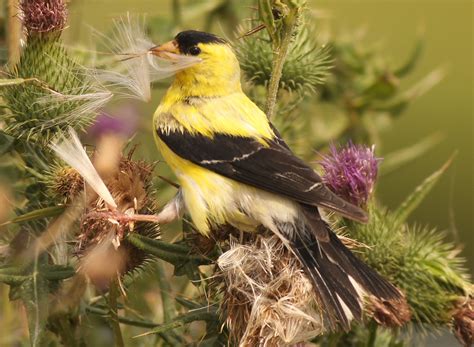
234,168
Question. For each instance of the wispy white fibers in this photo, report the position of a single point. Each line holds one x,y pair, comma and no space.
72,152
136,68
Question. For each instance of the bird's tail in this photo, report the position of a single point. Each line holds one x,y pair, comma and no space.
340,279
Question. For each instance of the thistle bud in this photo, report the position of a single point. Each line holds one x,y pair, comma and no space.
351,172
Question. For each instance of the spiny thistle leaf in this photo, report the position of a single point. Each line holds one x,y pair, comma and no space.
37,214
203,314
420,192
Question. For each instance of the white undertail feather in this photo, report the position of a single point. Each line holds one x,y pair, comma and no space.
70,150
136,68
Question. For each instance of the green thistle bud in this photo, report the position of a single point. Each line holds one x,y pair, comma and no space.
305,68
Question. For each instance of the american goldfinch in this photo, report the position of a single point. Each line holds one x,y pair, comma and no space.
234,168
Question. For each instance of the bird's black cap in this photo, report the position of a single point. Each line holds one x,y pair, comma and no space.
190,38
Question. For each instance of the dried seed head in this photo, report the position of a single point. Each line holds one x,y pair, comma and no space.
43,16
102,246
351,172
267,298
389,313
463,322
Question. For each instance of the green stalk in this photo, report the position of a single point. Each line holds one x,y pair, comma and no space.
281,33
171,340
279,57
113,312
165,290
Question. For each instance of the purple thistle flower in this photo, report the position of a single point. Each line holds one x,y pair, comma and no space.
351,172
123,122
43,16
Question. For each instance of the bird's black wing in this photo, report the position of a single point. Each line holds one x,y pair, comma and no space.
273,168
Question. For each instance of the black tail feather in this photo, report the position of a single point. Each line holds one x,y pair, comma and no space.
330,265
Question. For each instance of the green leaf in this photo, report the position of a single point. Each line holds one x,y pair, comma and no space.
410,64
203,314
414,199
12,279
184,262
46,212
190,305
399,103
395,160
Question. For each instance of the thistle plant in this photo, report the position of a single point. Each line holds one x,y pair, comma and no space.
84,253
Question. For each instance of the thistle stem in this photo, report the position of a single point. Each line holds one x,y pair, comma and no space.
165,290
113,312
279,57
280,52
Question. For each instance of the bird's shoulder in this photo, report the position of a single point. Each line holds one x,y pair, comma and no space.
233,114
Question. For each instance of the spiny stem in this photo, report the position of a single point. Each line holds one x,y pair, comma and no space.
279,56
281,36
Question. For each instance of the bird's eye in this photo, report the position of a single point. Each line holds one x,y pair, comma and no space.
195,50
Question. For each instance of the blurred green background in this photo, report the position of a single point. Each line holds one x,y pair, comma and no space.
446,109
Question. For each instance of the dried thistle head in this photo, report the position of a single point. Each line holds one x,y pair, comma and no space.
268,300
463,321
43,16
351,172
102,243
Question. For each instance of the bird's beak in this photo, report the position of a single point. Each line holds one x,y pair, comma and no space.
168,50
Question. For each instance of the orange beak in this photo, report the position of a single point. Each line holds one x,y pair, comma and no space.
166,50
